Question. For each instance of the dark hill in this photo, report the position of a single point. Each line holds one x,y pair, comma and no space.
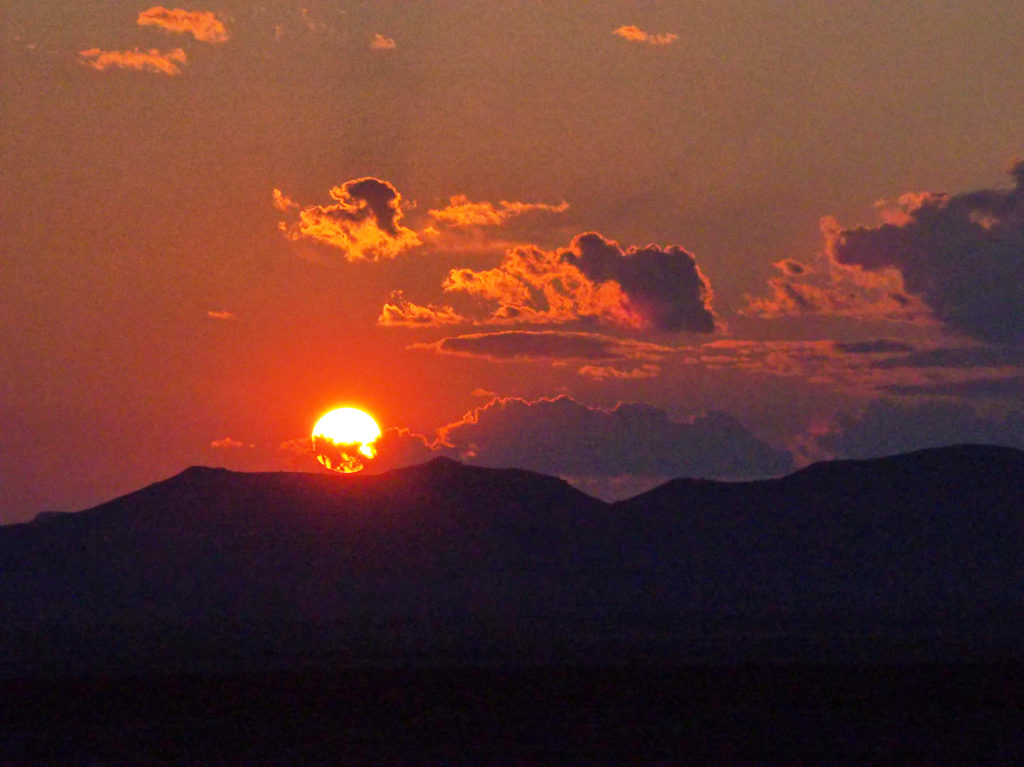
450,562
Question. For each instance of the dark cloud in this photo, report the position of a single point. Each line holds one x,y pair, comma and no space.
886,428
994,387
663,285
987,355
876,346
962,254
401,447
564,437
546,345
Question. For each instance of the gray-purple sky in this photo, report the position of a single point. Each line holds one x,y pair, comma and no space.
613,241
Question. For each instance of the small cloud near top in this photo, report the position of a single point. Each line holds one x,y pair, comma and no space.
381,43
636,35
202,25
142,61
217,314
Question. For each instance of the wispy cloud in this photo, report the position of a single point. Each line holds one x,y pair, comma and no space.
399,312
152,60
462,212
219,314
202,25
551,345
636,35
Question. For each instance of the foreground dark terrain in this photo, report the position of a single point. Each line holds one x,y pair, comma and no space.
853,612
922,714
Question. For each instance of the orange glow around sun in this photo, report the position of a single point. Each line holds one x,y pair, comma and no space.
343,440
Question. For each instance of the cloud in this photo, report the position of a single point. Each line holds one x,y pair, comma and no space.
875,346
364,222
143,61
400,312
461,212
215,314
831,288
664,286
886,428
397,447
564,437
381,43
963,255
593,280
637,35
227,443
528,345
203,25
983,355
612,373
972,388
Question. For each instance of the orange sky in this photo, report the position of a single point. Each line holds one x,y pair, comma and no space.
772,232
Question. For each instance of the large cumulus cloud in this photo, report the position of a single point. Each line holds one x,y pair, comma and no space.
962,255
594,280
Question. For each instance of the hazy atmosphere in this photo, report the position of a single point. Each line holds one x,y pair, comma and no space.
616,242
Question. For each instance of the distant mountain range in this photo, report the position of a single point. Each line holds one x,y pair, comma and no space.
918,555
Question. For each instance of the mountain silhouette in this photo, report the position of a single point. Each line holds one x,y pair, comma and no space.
444,562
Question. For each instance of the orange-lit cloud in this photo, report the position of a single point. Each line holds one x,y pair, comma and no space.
381,43
215,314
461,212
832,288
593,280
152,60
636,35
227,443
400,312
364,222
957,259
202,25
530,345
538,286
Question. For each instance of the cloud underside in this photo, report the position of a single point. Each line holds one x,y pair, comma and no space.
202,25
958,257
564,437
526,345
152,60
636,35
382,43
594,280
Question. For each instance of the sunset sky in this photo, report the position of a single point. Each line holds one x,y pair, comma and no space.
613,241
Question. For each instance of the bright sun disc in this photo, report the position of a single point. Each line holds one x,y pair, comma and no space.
343,440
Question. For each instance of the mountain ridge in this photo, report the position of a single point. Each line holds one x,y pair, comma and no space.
448,560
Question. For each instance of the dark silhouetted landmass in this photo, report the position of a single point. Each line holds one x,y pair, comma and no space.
855,612
914,556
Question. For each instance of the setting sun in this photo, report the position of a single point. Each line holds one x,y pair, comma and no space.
343,440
